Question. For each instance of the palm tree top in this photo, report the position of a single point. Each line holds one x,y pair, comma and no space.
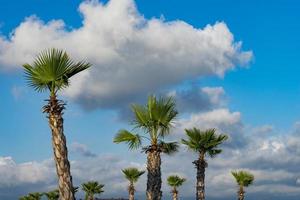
155,119
51,70
132,174
175,181
93,187
204,141
243,178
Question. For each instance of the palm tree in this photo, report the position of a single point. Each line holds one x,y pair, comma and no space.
175,182
52,195
205,143
51,70
156,120
243,179
91,188
132,175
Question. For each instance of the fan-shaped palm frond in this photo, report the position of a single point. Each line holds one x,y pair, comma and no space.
91,188
157,117
204,141
51,70
132,174
175,181
243,178
134,141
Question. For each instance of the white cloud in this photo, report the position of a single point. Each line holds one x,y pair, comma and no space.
132,56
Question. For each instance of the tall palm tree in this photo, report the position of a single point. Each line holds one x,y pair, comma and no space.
91,188
155,119
175,182
132,175
205,143
51,71
243,179
52,195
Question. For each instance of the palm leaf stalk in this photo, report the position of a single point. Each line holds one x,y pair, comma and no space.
243,179
205,143
51,71
155,120
91,188
132,175
175,182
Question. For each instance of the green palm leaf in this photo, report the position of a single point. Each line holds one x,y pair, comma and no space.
175,181
206,141
51,70
134,141
243,178
132,174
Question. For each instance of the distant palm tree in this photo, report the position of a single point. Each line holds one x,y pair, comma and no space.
204,143
175,182
132,175
91,188
52,195
156,120
243,179
51,70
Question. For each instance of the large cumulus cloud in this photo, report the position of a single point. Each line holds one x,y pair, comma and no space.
132,56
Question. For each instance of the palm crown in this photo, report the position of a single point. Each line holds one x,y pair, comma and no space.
132,174
155,119
175,181
51,70
92,187
204,141
243,178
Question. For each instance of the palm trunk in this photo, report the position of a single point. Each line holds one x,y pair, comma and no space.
131,191
200,185
241,193
175,194
154,175
55,108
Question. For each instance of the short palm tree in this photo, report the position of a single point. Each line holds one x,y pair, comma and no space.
132,175
51,71
91,188
175,182
52,195
243,179
205,143
155,119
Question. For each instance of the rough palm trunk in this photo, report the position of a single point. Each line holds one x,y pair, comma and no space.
241,193
175,194
55,108
200,185
131,191
154,175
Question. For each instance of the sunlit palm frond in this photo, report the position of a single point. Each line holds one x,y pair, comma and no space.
134,141
204,141
92,187
157,117
51,70
243,178
132,174
175,181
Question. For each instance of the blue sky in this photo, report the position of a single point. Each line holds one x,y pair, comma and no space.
263,93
